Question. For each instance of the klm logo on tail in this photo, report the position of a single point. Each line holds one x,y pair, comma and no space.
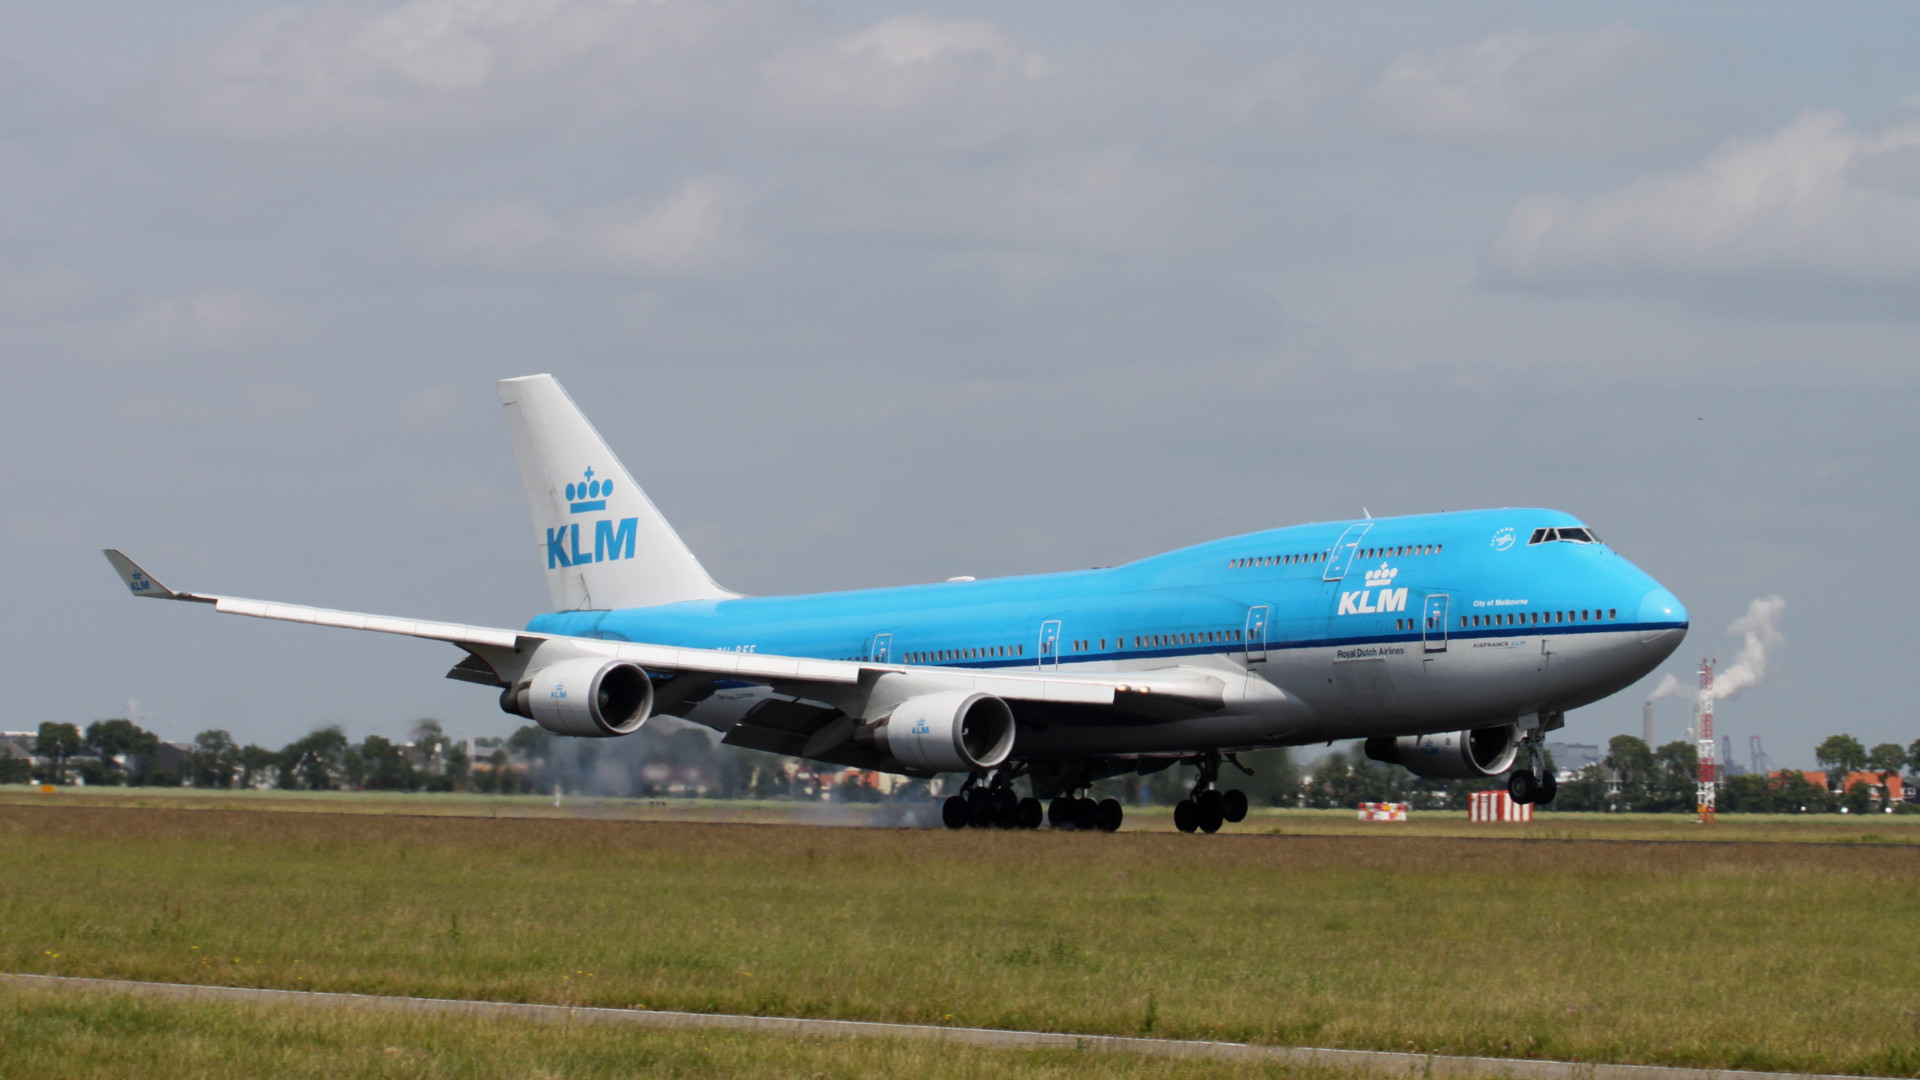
610,540
588,494
1362,602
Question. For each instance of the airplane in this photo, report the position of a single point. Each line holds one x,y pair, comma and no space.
1448,642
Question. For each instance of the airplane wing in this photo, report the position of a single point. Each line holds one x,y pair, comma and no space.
500,657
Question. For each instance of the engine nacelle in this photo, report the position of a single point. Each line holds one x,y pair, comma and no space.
586,696
1451,755
951,731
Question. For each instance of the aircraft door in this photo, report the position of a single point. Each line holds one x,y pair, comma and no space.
1433,623
1050,645
1257,634
1343,551
881,651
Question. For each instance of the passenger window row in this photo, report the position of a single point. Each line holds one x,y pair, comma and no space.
941,656
1079,645
1202,637
1541,618
1395,551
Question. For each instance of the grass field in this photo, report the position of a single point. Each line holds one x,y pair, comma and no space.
1747,955
93,1035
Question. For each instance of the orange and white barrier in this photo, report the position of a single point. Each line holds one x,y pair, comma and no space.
1383,811
1497,806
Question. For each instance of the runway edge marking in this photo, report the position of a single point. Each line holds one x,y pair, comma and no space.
1375,1061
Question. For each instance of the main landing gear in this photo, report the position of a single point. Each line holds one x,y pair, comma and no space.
1534,782
1208,807
1081,812
988,801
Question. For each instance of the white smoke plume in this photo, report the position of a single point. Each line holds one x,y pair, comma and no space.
1760,630
1669,686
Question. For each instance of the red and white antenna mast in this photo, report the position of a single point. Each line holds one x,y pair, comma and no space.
1703,731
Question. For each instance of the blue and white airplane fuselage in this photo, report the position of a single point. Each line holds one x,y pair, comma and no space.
1447,641
1342,630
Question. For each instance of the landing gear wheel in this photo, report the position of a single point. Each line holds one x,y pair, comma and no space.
1060,812
1522,786
1186,816
1030,813
1006,809
1086,814
1233,804
1549,787
1111,814
980,808
1211,803
954,813
1210,816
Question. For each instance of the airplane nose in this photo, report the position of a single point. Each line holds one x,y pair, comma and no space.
1663,622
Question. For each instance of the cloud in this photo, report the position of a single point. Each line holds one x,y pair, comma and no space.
209,319
945,84
1603,93
1814,206
43,291
696,229
439,67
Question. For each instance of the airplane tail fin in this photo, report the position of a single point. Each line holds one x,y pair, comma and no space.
604,544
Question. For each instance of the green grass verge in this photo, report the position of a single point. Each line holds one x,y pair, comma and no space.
1743,828
106,1035
1764,956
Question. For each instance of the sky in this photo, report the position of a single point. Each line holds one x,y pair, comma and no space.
867,294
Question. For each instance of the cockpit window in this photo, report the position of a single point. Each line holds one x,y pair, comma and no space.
1568,534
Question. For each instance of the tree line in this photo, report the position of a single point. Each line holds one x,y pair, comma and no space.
1636,778
663,759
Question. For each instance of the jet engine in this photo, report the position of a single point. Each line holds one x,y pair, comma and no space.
586,696
1451,755
951,731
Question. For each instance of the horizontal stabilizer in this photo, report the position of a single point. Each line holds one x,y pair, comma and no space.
141,583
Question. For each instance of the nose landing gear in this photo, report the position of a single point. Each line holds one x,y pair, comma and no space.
1535,782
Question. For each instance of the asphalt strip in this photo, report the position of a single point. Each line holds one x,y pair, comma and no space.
1370,1061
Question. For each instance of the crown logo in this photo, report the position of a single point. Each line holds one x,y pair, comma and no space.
588,493
1382,577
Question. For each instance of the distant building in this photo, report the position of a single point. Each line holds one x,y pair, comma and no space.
1570,758
1894,790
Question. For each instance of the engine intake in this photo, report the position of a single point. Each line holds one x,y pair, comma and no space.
951,731
586,697
1451,755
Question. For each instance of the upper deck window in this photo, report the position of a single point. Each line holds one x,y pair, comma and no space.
1570,534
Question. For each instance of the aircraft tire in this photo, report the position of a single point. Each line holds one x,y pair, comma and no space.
954,813
981,808
1186,816
1060,812
1549,787
1210,817
1111,815
1031,813
1086,814
1233,805
1211,803
1522,786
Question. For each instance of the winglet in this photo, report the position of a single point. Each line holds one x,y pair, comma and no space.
141,583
